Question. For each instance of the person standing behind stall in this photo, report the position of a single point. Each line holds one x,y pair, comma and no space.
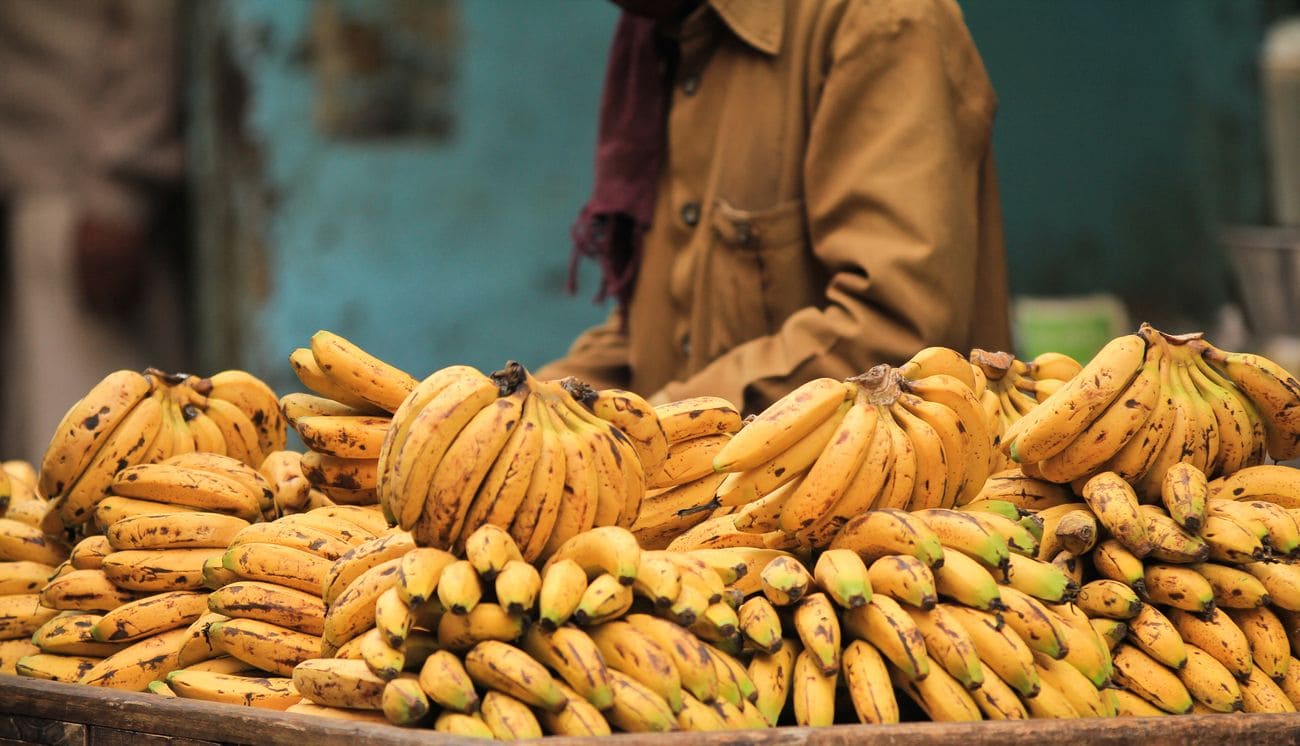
788,189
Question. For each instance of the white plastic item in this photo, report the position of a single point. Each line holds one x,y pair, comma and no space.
1280,76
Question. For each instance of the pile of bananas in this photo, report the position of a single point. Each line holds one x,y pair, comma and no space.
291,492
28,558
467,449
343,424
1010,388
1150,400
1198,596
128,594
903,438
133,418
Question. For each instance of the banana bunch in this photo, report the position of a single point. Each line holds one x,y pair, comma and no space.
908,438
132,418
344,420
1150,400
467,449
28,558
291,490
1013,387
695,429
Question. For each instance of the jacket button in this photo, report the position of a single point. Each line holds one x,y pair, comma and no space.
691,213
690,85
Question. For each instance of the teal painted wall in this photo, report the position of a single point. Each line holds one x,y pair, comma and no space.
1127,131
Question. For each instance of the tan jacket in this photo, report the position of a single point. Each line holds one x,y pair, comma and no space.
829,203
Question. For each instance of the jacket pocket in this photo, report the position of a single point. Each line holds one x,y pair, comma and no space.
761,269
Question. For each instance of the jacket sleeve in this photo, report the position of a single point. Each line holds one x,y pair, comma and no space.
599,357
895,173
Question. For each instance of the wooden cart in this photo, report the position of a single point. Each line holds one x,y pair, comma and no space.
43,712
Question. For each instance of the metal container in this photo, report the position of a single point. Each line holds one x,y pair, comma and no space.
1266,262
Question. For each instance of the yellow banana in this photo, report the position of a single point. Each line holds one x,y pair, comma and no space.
942,697
782,424
1144,676
696,417
1000,648
948,644
1156,635
149,616
563,585
274,563
1039,628
1115,504
889,628
1039,579
257,401
1269,647
1216,633
505,484
603,599
339,683
626,649
249,691
1171,542
830,475
50,667
575,657
196,530
195,488
353,610
1109,599
813,692
86,427
878,533
785,580
505,668
133,667
1273,482
270,602
1233,588
361,558
1274,392
364,376
1179,587
1113,560
128,444
1082,695
842,574
745,486
1023,491
1260,694
966,581
861,494
446,682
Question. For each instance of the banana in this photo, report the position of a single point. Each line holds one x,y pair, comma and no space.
497,665
270,602
462,469
1283,531
338,474
1052,425
1179,587
362,375
249,691
133,667
976,437
1243,436
299,535
666,514
1273,392
1230,541
411,459
1030,619
773,677
290,489
25,576
1171,542
459,587
1128,704
604,599
1108,599
1022,491
353,611
966,581
1271,482
1067,530
446,682
1290,683
932,361
578,718
87,425
299,404
1022,538
625,649
263,645
1216,633
830,475
1156,635
22,614
1110,631
112,509
307,707
257,401
128,444
405,703
197,530
897,491
194,488
1085,650
941,696
505,484
966,534
1144,676
604,549
783,423
70,634
1115,505
687,460
344,436
819,630
638,420
11,651
843,575
508,718
813,692
1233,588
861,493
637,709
1269,647
1000,648
1082,695
274,563
1261,694
584,479
931,488
889,628
696,417
948,644
697,716
362,558
905,579
339,683
575,657
882,532
1112,560
197,647
785,580
384,661
149,616
49,667
867,679
746,486
563,585
157,570
487,621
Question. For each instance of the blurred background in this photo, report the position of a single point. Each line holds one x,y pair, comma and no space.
236,175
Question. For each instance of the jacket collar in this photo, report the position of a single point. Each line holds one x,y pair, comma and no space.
758,23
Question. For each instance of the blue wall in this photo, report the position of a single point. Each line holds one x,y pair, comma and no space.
1127,131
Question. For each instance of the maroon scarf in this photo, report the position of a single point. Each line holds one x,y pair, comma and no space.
630,145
